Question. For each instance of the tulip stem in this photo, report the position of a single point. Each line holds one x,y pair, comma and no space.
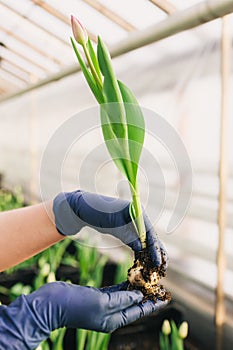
138,215
92,68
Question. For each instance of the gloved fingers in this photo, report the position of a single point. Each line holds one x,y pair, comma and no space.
153,243
155,246
126,232
157,251
115,288
102,212
131,314
143,309
135,244
121,300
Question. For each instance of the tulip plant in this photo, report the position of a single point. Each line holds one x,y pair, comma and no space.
172,337
122,120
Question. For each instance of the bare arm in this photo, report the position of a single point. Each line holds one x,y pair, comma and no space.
25,232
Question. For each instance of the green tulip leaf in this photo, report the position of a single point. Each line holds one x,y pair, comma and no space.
94,58
135,123
122,121
89,78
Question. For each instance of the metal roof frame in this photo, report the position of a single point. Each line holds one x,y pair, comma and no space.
196,15
164,5
177,22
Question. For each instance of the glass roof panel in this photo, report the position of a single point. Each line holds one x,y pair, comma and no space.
22,28
16,71
34,35
8,79
94,21
182,4
140,13
46,62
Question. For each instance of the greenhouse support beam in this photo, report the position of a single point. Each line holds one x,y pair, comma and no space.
11,8
178,22
220,312
40,51
113,16
13,74
165,6
59,15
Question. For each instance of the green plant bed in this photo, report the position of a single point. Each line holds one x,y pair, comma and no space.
27,276
144,334
140,335
67,261
11,199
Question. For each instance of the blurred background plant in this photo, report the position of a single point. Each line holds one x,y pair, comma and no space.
11,199
171,336
91,274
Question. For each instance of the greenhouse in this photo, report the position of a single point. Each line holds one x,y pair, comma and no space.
116,175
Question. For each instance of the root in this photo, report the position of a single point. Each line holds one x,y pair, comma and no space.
145,277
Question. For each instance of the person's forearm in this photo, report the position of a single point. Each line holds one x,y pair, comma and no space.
25,232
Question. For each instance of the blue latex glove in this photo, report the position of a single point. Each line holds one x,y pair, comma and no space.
30,319
75,210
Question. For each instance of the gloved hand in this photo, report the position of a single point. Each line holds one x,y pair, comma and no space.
30,319
75,210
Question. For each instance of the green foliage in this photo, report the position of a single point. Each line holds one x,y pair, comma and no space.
94,58
57,337
48,263
172,337
11,200
121,270
43,346
19,289
122,120
89,78
92,265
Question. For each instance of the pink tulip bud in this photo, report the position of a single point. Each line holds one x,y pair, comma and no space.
80,33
